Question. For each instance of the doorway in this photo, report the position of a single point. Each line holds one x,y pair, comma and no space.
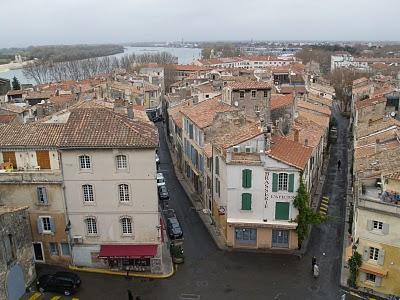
38,251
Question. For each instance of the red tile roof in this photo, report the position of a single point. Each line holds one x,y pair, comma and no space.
15,92
102,128
249,85
203,113
289,152
5,119
314,107
30,135
370,102
238,136
190,68
280,100
321,120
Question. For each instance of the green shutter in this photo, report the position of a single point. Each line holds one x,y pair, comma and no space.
291,183
274,182
246,201
282,211
246,178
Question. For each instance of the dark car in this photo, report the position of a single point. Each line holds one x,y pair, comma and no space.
174,229
61,282
163,192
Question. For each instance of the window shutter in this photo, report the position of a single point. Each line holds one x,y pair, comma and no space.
244,183
39,225
378,281
365,253
44,191
246,201
385,228
249,178
282,210
52,225
246,178
291,183
381,257
38,194
274,182
369,225
362,276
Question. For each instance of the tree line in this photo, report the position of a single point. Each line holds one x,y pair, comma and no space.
47,70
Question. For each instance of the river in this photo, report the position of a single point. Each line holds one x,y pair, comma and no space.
185,56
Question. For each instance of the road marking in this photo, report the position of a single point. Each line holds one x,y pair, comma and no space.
55,298
75,299
324,205
35,296
325,201
189,297
323,208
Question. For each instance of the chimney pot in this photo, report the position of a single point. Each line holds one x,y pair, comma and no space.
296,134
306,142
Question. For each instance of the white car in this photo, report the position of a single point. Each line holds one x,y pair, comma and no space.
160,179
157,159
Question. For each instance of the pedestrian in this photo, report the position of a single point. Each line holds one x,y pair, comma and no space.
338,164
130,296
316,271
313,263
127,273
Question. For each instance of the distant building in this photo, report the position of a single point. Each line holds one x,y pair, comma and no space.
5,86
17,269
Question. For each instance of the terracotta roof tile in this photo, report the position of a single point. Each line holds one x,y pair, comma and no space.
321,120
238,136
370,102
203,113
190,68
30,135
289,152
13,108
280,100
15,92
102,128
5,119
314,107
308,130
248,85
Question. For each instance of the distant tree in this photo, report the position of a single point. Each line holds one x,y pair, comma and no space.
15,84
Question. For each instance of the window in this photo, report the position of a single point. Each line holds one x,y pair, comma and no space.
217,165
282,182
246,201
88,193
122,162
253,94
126,225
65,249
246,235
377,225
373,253
123,192
10,251
84,162
246,178
256,108
241,94
370,277
53,249
217,187
42,195
91,225
282,210
265,94
46,224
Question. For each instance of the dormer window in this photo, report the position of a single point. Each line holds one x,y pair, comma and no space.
249,149
236,149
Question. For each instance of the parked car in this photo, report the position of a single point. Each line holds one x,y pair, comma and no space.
174,228
160,179
157,160
62,282
163,192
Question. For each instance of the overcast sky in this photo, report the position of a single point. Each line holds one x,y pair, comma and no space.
38,22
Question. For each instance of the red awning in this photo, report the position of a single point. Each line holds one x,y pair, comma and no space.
127,251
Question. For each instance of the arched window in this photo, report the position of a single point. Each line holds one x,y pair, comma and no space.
91,225
126,223
122,162
84,162
123,190
87,190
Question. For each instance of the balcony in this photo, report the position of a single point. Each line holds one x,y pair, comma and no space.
378,205
30,176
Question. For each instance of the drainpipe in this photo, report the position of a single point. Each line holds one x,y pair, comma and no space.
68,223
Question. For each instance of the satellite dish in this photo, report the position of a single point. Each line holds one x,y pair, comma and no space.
393,114
236,103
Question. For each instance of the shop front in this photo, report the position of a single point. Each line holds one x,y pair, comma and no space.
136,258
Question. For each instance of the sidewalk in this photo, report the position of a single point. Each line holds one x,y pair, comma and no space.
167,268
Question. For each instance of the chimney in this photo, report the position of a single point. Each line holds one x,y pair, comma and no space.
306,142
129,111
296,134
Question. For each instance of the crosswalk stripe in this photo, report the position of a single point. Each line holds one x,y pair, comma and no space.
322,213
323,208
324,205
35,296
55,298
325,200
75,299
